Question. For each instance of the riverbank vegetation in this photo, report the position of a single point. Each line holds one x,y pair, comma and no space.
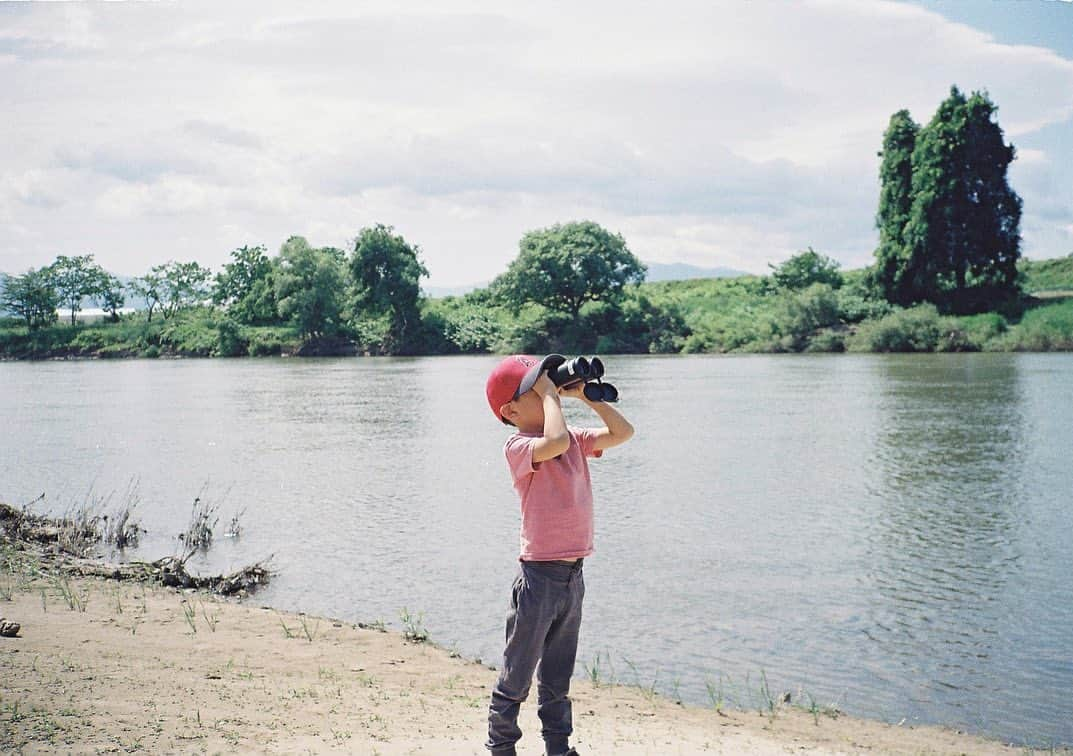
745,314
948,276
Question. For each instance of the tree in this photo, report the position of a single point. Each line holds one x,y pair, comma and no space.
806,268
565,266
31,296
893,272
74,279
962,238
386,274
110,295
150,287
309,285
183,285
246,287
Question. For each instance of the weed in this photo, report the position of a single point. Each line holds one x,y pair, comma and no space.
70,594
234,528
413,626
190,614
79,528
212,620
310,634
594,673
203,519
286,630
120,528
715,694
765,695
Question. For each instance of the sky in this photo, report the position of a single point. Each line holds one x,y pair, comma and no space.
725,134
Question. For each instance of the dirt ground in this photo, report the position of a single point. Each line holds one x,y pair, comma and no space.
102,666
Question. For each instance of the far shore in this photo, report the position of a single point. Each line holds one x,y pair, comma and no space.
101,665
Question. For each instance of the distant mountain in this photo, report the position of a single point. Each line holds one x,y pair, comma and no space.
682,272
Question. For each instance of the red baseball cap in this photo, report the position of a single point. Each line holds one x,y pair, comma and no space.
514,376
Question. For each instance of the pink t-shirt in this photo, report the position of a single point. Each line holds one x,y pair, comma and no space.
556,496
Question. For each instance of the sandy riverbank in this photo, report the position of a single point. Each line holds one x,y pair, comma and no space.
130,673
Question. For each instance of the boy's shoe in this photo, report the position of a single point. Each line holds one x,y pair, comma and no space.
571,752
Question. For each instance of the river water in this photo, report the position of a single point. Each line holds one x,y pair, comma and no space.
888,533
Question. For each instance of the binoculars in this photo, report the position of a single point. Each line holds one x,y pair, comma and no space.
588,371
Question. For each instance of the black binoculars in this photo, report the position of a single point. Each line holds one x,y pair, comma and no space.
588,371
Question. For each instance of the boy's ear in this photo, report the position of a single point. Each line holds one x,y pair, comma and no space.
505,410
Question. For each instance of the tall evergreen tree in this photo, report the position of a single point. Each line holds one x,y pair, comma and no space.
894,268
962,236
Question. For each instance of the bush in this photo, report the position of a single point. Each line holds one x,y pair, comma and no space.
190,334
802,313
914,330
1042,329
828,340
230,341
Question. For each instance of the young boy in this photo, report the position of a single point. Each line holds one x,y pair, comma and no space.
547,461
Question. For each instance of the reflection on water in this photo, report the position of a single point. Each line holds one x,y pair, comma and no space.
888,532
947,471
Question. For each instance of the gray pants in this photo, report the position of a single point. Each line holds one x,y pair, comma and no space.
542,632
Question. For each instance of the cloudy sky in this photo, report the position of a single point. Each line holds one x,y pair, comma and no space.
716,134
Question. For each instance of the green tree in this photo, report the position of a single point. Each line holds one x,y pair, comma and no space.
150,288
386,273
567,265
74,279
309,286
110,295
963,231
184,284
31,296
247,287
804,269
894,273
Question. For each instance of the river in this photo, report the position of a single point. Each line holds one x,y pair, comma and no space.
889,533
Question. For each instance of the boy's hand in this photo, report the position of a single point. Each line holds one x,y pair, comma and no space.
544,386
577,391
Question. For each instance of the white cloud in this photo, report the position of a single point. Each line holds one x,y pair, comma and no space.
718,134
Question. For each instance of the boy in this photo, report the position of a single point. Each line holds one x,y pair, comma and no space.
548,463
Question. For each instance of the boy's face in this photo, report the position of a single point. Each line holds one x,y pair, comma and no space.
526,412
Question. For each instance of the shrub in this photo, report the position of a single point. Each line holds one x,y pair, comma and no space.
917,329
827,340
230,341
804,312
1042,329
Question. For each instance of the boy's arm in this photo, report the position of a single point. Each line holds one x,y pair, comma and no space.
555,440
617,429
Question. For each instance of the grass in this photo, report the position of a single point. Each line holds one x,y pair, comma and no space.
1047,275
310,631
75,599
414,629
203,521
190,614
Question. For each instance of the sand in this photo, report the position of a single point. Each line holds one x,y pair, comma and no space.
158,670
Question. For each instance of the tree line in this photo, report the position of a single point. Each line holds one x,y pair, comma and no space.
948,237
